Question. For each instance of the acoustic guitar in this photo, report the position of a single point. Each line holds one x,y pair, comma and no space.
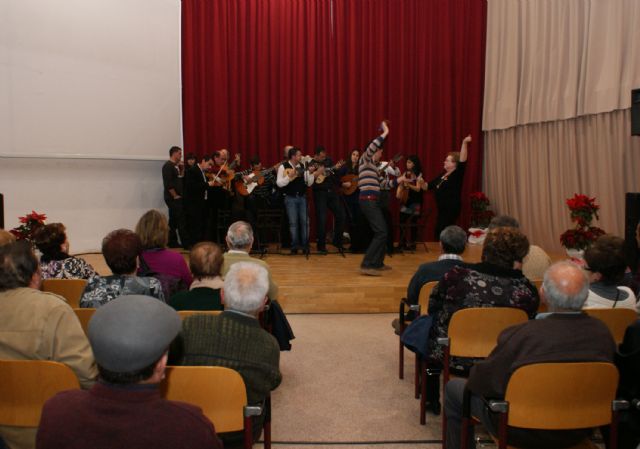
353,179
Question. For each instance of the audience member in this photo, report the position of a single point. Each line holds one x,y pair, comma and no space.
240,240
564,335
606,265
495,282
234,339
129,338
6,237
120,249
205,261
55,262
153,230
536,262
35,325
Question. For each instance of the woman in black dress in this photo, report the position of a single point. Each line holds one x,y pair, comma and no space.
447,187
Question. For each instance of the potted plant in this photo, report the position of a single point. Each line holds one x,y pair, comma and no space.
583,210
29,224
481,215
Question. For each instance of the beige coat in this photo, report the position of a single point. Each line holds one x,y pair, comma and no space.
231,258
35,325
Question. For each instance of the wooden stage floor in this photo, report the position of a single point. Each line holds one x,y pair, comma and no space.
333,284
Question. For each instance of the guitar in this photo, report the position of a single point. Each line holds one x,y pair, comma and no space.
319,179
256,178
224,175
353,179
402,192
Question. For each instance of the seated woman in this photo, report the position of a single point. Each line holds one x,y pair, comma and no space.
497,281
205,261
120,249
606,263
153,230
56,263
409,194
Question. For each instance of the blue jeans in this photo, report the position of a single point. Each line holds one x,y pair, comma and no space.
297,213
374,257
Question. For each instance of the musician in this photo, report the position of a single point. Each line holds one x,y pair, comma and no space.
387,174
218,197
190,161
172,173
370,192
348,175
262,182
196,193
293,178
410,195
325,196
448,187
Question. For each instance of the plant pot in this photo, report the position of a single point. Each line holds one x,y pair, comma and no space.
575,253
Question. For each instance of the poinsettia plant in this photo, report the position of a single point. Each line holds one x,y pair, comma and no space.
29,224
480,213
583,210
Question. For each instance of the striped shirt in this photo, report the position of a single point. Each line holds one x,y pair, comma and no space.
368,181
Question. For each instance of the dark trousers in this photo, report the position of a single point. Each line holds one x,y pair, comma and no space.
374,257
323,200
217,199
447,216
385,199
197,215
177,223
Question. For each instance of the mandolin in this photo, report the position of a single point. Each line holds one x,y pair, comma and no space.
319,179
353,179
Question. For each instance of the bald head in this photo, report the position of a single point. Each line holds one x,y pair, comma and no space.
565,287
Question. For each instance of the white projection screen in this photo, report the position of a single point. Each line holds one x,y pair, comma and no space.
89,78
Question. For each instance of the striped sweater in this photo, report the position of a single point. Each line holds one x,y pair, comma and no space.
369,182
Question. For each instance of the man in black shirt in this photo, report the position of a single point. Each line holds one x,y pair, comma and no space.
196,193
325,197
172,172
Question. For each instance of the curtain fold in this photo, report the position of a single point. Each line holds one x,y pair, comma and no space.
553,60
531,170
258,75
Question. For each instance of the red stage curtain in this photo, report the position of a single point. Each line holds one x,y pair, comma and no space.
261,74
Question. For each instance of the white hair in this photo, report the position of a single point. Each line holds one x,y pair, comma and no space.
245,287
240,235
566,286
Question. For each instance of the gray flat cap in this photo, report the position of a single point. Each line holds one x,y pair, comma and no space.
132,332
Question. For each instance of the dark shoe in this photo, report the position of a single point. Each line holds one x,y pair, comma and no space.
322,251
434,407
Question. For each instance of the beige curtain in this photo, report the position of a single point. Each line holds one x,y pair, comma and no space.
558,59
530,170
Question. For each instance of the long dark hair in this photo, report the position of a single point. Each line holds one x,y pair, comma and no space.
417,166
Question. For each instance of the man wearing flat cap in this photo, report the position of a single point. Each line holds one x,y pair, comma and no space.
129,337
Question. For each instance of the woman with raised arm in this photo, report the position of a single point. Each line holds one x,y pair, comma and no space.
447,187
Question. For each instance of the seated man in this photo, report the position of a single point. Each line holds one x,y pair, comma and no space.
234,339
121,249
536,261
240,240
35,325
129,337
564,335
205,260
453,241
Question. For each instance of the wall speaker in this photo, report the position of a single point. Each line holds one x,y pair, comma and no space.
635,112
631,220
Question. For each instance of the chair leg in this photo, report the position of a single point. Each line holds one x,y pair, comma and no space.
416,378
267,433
248,433
401,362
423,392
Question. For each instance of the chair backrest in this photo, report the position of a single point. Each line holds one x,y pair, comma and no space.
184,314
423,298
617,320
561,395
26,385
84,316
70,289
219,392
474,332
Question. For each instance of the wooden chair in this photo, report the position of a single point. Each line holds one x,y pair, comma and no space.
26,385
472,333
184,314
84,316
222,396
617,320
556,396
421,308
70,289
419,225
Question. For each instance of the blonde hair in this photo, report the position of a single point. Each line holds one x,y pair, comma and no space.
153,230
455,155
